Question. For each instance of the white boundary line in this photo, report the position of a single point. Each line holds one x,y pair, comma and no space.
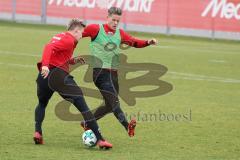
18,54
170,74
217,61
189,76
204,49
19,65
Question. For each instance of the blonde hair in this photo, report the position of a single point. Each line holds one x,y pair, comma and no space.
75,22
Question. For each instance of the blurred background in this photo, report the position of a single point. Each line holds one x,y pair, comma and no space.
202,18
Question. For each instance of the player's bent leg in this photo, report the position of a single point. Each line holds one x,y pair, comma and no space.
107,83
99,77
113,104
101,111
132,124
98,113
90,121
44,93
79,102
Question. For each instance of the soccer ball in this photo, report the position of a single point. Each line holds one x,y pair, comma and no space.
89,138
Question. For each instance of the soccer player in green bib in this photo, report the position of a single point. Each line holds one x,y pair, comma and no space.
104,46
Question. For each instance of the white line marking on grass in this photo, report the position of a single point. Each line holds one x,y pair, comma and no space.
19,65
170,74
173,75
217,61
18,54
159,46
207,50
188,76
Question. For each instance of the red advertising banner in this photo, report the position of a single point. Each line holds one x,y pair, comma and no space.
146,12
5,6
28,7
221,15
217,15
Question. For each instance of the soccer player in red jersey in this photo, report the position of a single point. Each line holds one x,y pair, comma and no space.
104,46
54,76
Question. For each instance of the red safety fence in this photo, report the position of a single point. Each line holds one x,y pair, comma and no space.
217,15
6,6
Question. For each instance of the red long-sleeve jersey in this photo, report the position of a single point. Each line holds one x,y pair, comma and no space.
93,29
58,52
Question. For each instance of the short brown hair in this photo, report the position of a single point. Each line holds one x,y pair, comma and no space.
75,22
114,10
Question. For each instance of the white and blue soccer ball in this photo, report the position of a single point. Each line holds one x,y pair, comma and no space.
89,138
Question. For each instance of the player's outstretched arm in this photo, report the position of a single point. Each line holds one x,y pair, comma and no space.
91,31
152,41
136,42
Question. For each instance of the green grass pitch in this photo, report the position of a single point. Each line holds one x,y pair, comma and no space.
205,76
